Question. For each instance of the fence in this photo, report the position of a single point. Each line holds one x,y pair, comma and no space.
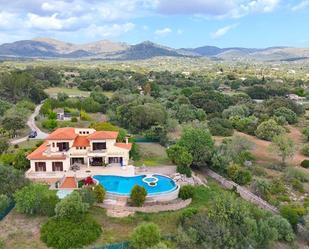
122,245
7,210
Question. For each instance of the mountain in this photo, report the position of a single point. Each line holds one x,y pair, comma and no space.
146,50
52,49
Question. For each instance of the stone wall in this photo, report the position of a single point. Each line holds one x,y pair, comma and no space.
244,193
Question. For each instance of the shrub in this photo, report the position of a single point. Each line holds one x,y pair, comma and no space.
290,213
305,164
305,150
138,196
50,124
269,129
71,207
185,170
263,189
145,235
186,192
160,245
238,174
36,199
220,127
88,181
283,227
187,214
74,119
4,202
65,234
179,155
88,196
293,173
99,193
288,114
84,116
297,185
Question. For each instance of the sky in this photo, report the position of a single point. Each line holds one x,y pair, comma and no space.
175,23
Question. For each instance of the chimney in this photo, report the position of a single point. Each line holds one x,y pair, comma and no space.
127,140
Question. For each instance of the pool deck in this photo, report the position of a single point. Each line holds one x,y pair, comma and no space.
83,172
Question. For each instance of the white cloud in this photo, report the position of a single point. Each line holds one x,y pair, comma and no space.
9,21
50,22
302,5
105,31
163,32
223,31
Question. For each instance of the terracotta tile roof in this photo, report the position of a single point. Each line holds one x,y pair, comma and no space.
127,146
81,141
101,135
38,154
69,182
66,133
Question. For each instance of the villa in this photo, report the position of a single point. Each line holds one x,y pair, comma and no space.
79,151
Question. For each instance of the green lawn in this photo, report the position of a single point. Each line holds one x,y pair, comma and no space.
152,154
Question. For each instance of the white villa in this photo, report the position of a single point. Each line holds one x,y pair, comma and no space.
88,149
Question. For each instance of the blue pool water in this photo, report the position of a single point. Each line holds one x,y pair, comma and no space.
123,185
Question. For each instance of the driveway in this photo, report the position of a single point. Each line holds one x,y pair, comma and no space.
32,125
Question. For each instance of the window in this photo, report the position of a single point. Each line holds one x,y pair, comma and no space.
57,166
53,144
40,166
87,132
99,146
63,146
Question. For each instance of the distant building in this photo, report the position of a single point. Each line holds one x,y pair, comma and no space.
62,115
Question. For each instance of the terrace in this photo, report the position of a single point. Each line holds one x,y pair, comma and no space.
83,172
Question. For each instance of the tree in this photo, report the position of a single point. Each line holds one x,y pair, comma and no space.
71,207
267,130
99,193
21,161
145,235
4,202
4,145
179,155
138,196
11,180
199,144
36,199
228,223
283,146
13,123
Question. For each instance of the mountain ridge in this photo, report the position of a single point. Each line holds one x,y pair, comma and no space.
44,47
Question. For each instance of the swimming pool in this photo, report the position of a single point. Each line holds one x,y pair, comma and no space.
122,185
